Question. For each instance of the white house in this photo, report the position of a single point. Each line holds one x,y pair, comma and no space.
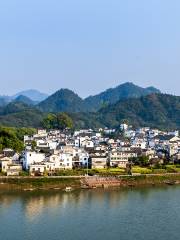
123,126
120,158
31,158
80,157
66,160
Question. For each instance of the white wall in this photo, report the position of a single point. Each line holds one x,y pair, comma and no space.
32,157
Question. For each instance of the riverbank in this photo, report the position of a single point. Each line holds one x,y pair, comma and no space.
38,183
75,182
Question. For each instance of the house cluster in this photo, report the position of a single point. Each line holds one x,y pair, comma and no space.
49,152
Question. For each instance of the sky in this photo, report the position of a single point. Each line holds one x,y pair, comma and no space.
89,45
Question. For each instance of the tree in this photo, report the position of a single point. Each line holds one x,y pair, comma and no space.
57,121
33,145
64,121
10,139
141,160
50,121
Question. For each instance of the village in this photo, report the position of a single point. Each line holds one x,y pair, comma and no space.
51,152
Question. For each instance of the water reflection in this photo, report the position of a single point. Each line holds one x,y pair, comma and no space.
105,214
33,204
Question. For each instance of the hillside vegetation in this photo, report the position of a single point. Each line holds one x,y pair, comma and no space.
113,95
140,106
13,137
66,100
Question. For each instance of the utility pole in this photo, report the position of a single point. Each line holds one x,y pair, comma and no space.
87,166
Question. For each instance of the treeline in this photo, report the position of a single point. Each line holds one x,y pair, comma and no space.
13,137
59,121
155,110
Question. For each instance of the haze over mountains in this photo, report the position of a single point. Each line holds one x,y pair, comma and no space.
140,106
31,95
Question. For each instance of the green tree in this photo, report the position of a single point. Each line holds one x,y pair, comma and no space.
141,160
33,145
10,139
50,122
64,121
57,121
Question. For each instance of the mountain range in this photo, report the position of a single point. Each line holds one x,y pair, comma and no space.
140,106
113,95
67,101
32,96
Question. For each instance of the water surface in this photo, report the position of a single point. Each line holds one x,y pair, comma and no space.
142,214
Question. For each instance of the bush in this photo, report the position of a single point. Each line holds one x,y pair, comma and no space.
171,169
141,170
24,173
159,171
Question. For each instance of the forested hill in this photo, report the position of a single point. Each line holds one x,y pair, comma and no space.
113,95
158,110
155,110
63,100
66,100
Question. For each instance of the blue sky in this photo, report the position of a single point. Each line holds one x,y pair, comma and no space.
89,45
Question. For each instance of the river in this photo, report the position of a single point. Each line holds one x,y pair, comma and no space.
142,214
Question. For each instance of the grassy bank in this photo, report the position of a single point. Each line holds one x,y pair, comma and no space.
30,183
45,183
145,180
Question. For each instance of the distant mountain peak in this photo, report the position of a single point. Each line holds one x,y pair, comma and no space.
112,95
66,90
68,101
64,100
153,89
24,99
32,94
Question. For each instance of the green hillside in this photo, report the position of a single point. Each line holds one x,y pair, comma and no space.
155,110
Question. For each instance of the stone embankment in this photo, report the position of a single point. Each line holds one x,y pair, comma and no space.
95,182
